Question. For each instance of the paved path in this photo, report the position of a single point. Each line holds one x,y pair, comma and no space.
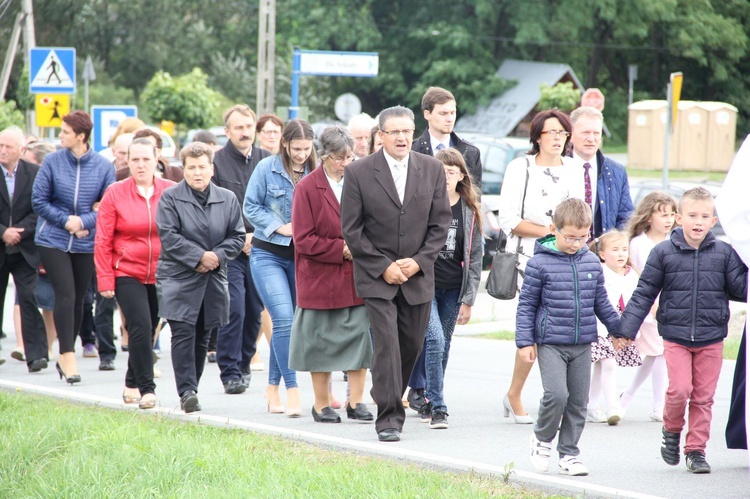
624,460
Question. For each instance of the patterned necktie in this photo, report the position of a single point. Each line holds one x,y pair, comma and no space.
440,147
587,184
399,178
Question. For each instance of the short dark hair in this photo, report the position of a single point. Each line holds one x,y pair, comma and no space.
394,112
196,150
572,212
205,136
80,122
144,142
434,96
147,132
537,127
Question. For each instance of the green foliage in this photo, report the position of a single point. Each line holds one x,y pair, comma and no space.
562,96
10,115
23,97
186,100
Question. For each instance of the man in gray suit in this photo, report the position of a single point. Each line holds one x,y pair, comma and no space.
395,217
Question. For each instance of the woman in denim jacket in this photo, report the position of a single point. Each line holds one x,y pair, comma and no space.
268,207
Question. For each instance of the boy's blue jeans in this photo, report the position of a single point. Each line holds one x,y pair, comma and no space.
445,307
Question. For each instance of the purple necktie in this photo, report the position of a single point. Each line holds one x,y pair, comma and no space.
587,184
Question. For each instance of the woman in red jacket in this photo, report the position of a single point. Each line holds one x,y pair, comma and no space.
331,331
126,251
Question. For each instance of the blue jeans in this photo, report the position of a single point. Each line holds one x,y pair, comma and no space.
274,280
443,316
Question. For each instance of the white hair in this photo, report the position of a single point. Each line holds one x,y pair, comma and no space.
362,121
16,132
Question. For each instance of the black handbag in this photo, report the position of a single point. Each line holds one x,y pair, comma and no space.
502,282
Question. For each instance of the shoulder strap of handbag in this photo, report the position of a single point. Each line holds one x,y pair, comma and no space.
523,202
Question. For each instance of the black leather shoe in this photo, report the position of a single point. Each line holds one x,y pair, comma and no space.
416,398
107,365
234,387
360,412
246,377
389,435
37,365
189,402
211,356
327,415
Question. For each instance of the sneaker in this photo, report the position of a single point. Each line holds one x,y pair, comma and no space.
89,351
234,386
540,452
571,465
656,416
696,462
670,447
416,398
438,420
613,417
425,413
595,416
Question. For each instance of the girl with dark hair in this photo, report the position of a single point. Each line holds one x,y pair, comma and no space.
532,187
268,207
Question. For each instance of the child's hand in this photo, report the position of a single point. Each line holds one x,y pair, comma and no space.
527,354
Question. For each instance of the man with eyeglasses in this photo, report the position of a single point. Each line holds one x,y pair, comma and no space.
233,166
439,109
605,180
395,217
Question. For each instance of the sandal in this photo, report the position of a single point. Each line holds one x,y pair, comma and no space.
148,401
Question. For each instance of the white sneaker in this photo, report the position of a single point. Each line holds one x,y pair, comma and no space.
656,416
571,465
595,416
540,453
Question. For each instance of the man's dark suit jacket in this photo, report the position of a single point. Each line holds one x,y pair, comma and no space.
379,230
19,213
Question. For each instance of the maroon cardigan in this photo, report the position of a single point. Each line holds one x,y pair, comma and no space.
325,280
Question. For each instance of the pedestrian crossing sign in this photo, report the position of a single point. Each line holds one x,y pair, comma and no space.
50,109
53,70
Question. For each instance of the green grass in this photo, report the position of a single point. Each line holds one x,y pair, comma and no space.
677,175
52,448
731,344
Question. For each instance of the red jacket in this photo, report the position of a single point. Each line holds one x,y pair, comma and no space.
127,240
325,280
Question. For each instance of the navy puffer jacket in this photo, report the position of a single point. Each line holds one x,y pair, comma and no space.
696,286
561,297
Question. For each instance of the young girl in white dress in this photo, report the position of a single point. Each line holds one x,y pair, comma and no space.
651,224
620,280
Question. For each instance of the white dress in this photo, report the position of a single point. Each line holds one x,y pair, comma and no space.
648,340
548,187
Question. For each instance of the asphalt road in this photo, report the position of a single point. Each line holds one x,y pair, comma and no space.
624,460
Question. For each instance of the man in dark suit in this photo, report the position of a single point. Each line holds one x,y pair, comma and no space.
18,254
395,217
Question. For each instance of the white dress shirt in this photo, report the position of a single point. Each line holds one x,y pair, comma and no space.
399,171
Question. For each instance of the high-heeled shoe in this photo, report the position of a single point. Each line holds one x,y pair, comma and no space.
274,409
148,401
508,410
75,378
293,403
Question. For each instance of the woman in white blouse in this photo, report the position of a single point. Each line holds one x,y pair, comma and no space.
552,178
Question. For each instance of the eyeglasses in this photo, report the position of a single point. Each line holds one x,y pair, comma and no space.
396,133
341,161
452,174
557,133
571,240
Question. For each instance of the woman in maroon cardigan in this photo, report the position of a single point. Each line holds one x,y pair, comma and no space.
330,331
126,251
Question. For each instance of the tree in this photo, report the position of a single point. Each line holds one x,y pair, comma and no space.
562,96
10,115
186,100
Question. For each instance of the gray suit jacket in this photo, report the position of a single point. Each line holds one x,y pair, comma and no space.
379,230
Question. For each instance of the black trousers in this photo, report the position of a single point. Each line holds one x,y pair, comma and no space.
189,347
70,275
104,312
398,330
140,308
32,326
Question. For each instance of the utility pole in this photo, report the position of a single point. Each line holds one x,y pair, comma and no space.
265,76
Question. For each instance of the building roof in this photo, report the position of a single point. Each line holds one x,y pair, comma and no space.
503,114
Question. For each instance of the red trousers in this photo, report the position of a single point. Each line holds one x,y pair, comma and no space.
693,376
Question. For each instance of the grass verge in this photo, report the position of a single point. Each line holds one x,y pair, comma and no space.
731,344
677,175
53,448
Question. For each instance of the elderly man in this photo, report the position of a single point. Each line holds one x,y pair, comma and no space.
18,253
233,165
361,126
395,217
120,147
605,180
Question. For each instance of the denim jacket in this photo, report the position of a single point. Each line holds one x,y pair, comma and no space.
268,200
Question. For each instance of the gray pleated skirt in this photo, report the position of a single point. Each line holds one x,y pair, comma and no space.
330,340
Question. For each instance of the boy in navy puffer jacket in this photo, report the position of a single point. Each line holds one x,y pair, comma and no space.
697,275
562,295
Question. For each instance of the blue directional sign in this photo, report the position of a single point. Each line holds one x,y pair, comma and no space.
106,119
53,70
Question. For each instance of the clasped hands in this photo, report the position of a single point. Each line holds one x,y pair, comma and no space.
74,225
208,262
620,343
400,271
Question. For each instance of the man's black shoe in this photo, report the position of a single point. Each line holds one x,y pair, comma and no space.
696,462
670,447
246,377
389,435
360,412
416,398
107,365
189,402
37,365
234,387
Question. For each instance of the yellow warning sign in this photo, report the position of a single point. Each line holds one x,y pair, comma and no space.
50,109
